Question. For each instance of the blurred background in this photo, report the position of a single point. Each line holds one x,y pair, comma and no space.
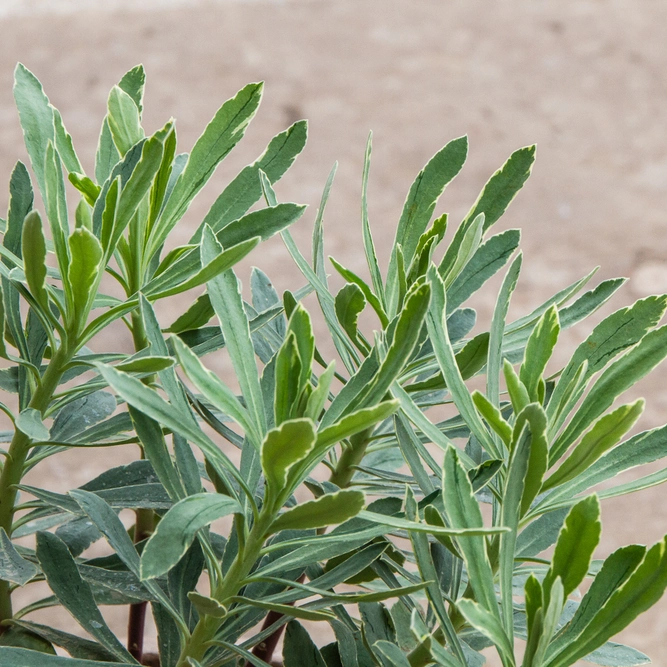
584,79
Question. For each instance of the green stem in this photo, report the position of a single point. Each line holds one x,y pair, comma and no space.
208,626
144,524
12,471
350,458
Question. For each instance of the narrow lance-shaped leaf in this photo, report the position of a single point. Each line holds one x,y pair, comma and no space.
36,115
178,528
578,538
496,195
464,512
225,294
33,247
621,375
420,203
224,131
539,349
444,353
369,245
615,333
327,510
13,567
123,119
214,389
56,206
83,274
74,593
497,330
604,435
488,259
245,189
641,590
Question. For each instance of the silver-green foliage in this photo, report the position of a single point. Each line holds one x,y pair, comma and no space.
404,497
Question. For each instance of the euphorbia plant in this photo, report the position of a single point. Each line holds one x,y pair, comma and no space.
389,514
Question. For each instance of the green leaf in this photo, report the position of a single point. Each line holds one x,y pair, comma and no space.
244,190
605,434
284,609
133,192
510,514
77,647
81,414
496,196
444,354
493,417
615,571
21,657
30,422
287,374
515,388
74,593
138,395
409,326
36,115
422,198
123,119
349,304
33,246
503,186
488,259
56,206
133,83
214,389
263,223
107,156
577,540
640,449
224,131
299,649
178,528
497,330
225,293
539,349
13,567
489,625
283,447
318,399
369,246
390,654
641,590
469,245
621,375
173,281
370,296
327,510
534,417
83,274
463,512
109,524
300,324
427,571
407,441
615,333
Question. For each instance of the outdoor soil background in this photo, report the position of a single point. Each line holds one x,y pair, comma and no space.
585,80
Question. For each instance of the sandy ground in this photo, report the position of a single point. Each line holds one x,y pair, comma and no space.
584,80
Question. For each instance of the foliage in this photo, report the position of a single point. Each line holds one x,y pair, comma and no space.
395,512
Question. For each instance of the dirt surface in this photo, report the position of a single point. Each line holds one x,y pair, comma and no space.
584,80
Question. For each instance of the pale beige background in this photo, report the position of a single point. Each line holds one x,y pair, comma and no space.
585,80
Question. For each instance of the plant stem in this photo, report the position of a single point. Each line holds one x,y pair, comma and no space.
12,471
350,458
207,626
144,523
